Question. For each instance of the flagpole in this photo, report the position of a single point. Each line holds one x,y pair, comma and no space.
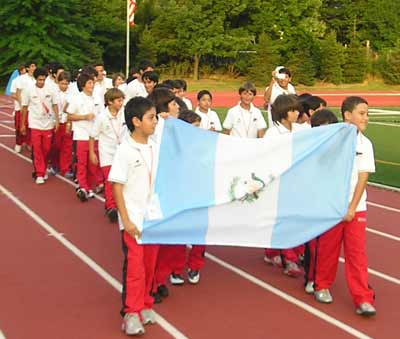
127,39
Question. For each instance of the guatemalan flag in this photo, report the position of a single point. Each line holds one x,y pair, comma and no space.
275,192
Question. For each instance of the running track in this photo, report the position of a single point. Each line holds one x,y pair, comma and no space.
61,267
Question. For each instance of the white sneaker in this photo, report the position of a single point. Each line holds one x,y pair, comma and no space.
309,288
90,194
39,180
366,310
323,296
275,261
176,279
193,276
148,316
17,148
46,176
132,325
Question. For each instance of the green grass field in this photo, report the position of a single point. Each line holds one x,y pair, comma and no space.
386,140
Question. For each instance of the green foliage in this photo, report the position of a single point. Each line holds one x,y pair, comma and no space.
390,66
331,60
355,65
147,46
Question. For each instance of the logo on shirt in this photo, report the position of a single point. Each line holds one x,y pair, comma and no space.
247,189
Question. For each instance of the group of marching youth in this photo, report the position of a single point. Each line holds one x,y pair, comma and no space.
103,133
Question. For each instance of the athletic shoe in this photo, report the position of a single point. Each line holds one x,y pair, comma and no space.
157,297
82,194
52,171
18,148
323,296
162,290
46,177
366,310
132,325
99,188
112,215
176,279
148,316
309,288
193,276
90,194
292,269
39,180
275,261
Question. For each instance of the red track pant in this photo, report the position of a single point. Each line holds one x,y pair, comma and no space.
61,152
138,274
352,234
19,138
108,193
41,144
195,261
288,254
88,175
163,266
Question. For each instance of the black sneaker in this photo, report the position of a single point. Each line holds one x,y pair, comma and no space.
176,279
162,290
157,297
112,215
193,276
81,194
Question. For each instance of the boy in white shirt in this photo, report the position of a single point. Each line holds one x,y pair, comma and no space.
101,86
280,84
209,118
132,175
351,231
179,87
108,128
245,120
43,119
136,87
81,111
19,139
150,81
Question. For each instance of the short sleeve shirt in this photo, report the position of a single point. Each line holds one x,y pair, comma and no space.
209,120
81,104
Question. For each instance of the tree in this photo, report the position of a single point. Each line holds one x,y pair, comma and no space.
331,60
355,65
147,46
53,30
390,65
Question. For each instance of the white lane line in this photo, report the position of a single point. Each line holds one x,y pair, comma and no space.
2,336
85,258
379,274
386,187
306,307
383,124
383,207
383,234
7,114
7,127
7,136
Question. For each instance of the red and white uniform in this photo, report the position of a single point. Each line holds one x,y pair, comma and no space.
352,235
108,129
133,167
23,83
39,102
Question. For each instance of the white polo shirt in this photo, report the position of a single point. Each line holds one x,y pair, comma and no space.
62,99
40,103
278,129
81,104
209,120
188,103
364,162
277,91
135,89
133,167
50,83
108,129
14,86
244,123
25,81
100,88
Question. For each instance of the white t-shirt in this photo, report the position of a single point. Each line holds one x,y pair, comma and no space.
100,88
209,119
135,89
40,103
133,167
25,81
188,103
108,129
62,99
50,83
73,89
81,104
364,162
14,86
243,123
277,91
278,129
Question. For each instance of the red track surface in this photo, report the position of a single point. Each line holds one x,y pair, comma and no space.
48,292
375,99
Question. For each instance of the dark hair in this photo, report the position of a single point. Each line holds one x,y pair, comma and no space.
115,76
202,93
29,63
136,108
184,84
168,84
283,104
323,117
182,105
178,84
248,86
350,103
131,76
98,64
189,116
40,72
53,67
285,70
161,97
145,64
112,94
64,76
314,102
20,68
83,79
151,75
90,70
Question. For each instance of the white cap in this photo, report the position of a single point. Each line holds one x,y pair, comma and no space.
279,68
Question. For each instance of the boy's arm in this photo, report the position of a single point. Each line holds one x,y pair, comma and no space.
24,113
92,155
228,123
129,226
56,117
358,192
261,133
